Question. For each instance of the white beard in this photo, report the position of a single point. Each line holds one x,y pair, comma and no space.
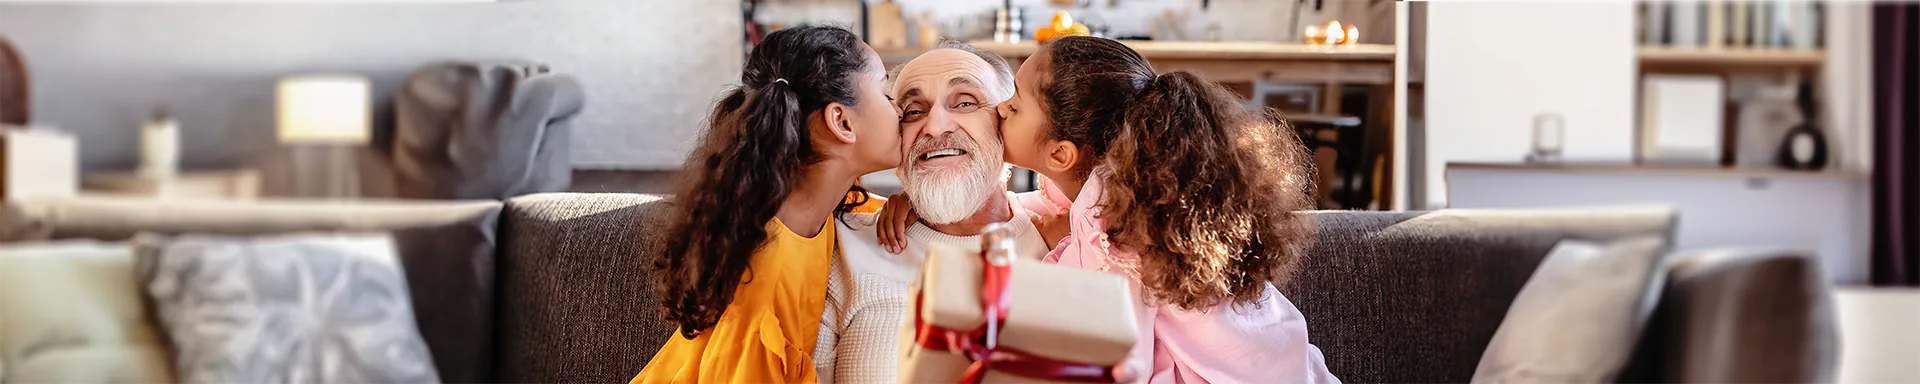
947,197
944,196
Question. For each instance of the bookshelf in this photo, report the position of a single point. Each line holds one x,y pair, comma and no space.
1731,57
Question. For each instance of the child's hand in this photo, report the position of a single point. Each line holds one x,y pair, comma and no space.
1053,226
1123,374
894,219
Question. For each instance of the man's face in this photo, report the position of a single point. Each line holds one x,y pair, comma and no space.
951,146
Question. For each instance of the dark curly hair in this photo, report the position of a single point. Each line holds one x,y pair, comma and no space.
1205,190
755,147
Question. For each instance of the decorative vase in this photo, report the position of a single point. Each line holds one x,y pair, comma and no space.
1804,147
159,146
1765,118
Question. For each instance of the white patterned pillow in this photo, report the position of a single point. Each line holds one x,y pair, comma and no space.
277,309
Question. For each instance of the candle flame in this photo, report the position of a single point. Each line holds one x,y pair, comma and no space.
1334,34
1353,35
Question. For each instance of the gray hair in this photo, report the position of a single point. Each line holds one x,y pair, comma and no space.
1002,72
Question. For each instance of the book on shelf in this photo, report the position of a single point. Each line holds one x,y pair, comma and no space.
1687,28
1806,24
1740,14
1780,33
1718,24
1656,23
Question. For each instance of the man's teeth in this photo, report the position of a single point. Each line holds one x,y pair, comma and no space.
942,153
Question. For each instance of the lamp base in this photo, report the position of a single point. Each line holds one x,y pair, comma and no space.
330,171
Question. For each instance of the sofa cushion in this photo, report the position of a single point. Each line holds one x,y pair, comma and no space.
301,308
577,300
446,247
1416,296
1740,315
70,313
1606,288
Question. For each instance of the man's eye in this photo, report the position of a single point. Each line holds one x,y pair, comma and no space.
911,115
966,106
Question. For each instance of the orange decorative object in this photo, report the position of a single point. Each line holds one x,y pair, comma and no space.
1062,26
1332,33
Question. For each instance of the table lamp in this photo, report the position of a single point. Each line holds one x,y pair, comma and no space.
325,119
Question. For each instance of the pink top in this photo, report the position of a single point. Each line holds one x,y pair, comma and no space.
1264,343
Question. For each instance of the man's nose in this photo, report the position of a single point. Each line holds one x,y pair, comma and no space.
940,121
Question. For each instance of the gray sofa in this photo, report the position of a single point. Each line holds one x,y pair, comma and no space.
555,287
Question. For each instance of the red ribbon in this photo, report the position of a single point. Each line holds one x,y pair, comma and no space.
981,345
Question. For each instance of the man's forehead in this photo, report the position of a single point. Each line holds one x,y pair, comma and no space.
940,66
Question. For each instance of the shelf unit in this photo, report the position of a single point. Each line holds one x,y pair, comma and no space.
1727,60
1660,170
1731,57
1780,65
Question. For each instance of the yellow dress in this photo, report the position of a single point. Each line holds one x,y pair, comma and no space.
873,204
767,333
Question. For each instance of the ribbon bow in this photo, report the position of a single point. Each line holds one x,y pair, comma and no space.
982,345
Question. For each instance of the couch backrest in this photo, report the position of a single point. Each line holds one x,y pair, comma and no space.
447,249
1389,296
1416,296
577,303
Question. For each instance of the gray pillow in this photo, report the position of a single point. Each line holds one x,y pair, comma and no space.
295,308
1577,319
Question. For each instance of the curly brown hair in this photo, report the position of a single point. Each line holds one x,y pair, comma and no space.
1205,190
755,147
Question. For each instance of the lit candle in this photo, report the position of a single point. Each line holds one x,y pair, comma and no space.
1313,36
1353,35
1334,34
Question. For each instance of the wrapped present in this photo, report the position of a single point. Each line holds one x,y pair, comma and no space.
993,317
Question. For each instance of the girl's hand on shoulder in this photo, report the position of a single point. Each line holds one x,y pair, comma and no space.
893,222
1053,226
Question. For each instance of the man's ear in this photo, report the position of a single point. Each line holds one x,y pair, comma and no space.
839,118
1062,155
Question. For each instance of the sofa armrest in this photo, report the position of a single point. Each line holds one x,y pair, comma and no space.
577,303
1740,315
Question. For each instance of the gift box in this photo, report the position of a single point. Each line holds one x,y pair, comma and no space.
1054,323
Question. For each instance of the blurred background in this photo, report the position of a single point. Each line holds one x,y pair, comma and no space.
1782,124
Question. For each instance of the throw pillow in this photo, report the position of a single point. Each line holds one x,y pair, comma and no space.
70,313
294,308
1577,319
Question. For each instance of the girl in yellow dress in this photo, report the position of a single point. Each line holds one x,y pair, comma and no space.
749,250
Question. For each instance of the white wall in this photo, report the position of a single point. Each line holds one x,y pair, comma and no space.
1485,82
1826,214
650,69
1848,81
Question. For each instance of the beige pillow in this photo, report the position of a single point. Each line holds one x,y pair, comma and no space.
1578,317
70,313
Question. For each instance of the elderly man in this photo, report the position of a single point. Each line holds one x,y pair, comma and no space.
954,171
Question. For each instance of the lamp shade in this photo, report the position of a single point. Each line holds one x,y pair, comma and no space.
324,109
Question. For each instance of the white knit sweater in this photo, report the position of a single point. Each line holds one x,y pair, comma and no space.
867,303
